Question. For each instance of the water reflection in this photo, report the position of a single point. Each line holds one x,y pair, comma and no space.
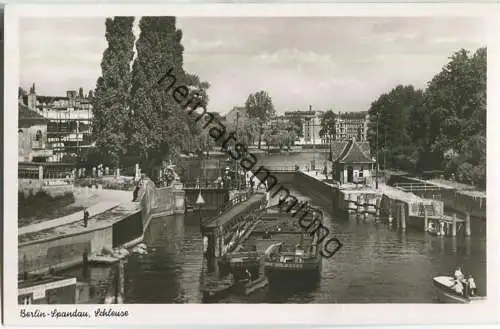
377,263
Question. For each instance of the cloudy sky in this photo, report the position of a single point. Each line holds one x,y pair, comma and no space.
331,63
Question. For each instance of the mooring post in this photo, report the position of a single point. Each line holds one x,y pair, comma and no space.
377,207
358,204
467,224
402,216
426,220
121,286
367,206
398,216
390,212
454,225
441,227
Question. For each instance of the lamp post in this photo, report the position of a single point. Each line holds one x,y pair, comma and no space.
199,202
376,157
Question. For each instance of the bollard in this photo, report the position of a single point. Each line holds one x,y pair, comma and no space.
467,224
426,221
402,216
454,225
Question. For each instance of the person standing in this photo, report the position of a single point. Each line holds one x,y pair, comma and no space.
458,274
471,285
85,218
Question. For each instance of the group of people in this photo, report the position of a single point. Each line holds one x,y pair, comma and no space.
464,286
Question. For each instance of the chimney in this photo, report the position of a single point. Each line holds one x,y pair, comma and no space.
32,98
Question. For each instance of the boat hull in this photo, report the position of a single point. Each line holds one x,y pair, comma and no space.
444,292
280,274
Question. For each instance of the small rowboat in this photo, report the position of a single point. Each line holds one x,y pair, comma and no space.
446,293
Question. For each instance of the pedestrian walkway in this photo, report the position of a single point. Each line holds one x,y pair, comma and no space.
75,217
96,221
318,176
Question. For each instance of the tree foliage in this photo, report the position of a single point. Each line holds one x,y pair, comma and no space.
110,102
442,128
259,106
159,124
328,125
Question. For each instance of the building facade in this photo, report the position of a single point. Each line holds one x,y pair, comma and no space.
32,136
69,120
352,125
354,164
238,113
311,125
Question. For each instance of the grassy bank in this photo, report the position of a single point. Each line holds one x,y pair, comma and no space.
39,207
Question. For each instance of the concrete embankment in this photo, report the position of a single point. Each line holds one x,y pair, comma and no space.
458,197
61,243
385,201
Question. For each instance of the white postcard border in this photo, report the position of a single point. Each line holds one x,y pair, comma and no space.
308,314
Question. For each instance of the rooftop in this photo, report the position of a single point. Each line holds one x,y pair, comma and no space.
28,117
355,152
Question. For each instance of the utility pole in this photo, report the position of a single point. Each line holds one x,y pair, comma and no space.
235,165
376,172
314,139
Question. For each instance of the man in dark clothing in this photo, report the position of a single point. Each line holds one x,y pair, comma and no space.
136,193
85,218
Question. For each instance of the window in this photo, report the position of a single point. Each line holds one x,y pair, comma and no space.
38,136
27,300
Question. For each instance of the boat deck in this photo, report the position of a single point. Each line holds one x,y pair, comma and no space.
235,211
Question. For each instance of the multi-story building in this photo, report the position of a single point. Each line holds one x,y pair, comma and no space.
351,125
32,136
238,113
69,125
311,125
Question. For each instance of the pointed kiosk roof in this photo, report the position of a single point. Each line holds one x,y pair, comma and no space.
354,153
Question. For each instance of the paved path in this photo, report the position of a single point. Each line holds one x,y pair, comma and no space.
96,221
75,217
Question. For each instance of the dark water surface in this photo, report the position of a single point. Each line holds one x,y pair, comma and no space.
377,264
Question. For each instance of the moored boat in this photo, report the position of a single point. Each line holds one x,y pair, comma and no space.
295,253
445,292
244,262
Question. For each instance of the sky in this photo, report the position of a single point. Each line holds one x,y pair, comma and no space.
337,63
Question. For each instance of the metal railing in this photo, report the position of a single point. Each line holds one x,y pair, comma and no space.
417,187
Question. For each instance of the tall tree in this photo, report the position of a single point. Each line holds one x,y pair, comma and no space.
391,112
111,99
456,102
328,125
160,126
260,106
442,128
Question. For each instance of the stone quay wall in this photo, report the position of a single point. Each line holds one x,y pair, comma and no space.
59,251
387,198
462,201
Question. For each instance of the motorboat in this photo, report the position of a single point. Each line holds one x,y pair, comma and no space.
445,292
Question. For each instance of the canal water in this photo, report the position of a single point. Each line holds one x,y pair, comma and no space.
377,264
